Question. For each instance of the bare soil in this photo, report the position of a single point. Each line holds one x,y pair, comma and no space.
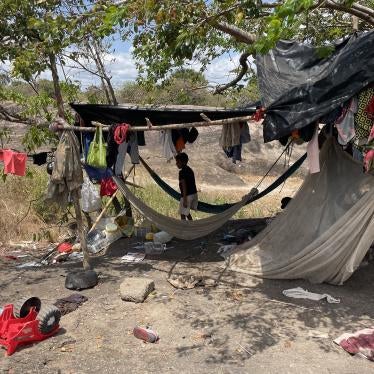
242,325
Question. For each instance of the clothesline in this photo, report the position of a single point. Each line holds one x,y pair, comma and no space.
227,121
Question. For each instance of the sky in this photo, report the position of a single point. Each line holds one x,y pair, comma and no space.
121,66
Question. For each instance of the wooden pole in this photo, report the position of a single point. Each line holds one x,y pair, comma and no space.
81,231
220,122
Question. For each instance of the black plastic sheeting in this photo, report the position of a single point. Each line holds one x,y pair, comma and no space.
109,114
298,87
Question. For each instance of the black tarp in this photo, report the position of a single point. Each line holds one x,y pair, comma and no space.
298,87
135,115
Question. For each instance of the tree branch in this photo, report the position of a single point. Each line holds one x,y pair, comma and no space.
329,4
239,34
244,68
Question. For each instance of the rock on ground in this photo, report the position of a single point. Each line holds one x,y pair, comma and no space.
136,289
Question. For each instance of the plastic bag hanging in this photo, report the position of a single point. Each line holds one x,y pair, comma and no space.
97,152
91,200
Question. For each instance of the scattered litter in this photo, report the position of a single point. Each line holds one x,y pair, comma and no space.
9,257
64,247
360,343
188,282
224,249
76,247
318,334
229,238
245,349
154,248
162,237
133,257
60,257
75,256
70,303
145,334
149,236
96,241
32,264
300,293
24,244
112,232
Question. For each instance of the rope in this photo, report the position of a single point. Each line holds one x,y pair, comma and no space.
275,162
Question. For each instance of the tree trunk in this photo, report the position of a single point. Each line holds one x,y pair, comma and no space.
75,195
101,68
56,85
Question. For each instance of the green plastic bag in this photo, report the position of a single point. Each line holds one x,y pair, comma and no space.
96,156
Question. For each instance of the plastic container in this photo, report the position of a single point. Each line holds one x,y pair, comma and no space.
162,237
149,236
96,241
112,232
154,248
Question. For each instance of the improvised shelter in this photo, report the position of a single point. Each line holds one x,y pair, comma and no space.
327,229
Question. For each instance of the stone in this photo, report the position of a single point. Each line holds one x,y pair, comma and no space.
81,280
136,289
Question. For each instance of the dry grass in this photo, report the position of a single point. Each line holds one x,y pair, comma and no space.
267,206
23,214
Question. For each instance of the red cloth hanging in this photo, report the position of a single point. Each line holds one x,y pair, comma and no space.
259,114
180,144
1,155
120,133
370,108
14,162
107,187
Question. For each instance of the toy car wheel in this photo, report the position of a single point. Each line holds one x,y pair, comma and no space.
48,318
23,306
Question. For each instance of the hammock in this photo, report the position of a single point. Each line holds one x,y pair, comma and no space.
219,208
187,230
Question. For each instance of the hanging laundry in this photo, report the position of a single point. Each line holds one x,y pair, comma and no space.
345,124
168,148
1,155
67,173
14,162
363,121
130,147
120,133
107,187
112,147
313,153
192,135
370,109
369,154
230,135
245,136
180,144
40,158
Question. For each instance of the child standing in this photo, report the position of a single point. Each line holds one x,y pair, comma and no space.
187,187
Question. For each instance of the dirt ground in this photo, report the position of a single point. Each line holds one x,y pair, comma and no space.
243,325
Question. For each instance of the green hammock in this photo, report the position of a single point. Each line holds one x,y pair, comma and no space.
219,208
